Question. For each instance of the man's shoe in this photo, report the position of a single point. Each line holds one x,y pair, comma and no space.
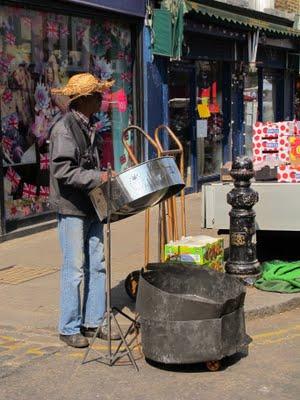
76,340
102,333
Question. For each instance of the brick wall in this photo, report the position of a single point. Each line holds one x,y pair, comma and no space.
288,5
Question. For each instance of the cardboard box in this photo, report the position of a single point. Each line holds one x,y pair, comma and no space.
294,142
288,174
271,143
225,172
198,250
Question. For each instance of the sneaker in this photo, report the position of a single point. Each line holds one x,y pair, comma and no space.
102,333
77,340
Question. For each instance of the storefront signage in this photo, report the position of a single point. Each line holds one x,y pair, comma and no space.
132,7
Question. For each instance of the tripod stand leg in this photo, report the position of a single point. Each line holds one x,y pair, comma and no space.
91,345
125,344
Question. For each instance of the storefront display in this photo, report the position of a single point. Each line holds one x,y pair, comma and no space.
40,51
209,118
277,147
180,93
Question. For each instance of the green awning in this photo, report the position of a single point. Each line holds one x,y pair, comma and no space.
228,16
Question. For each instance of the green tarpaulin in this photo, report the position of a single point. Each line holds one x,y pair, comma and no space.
162,33
280,276
168,29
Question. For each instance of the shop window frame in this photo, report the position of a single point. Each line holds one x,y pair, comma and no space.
280,98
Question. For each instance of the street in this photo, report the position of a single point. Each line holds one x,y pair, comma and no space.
271,371
34,364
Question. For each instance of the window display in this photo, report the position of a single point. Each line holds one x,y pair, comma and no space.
40,51
210,118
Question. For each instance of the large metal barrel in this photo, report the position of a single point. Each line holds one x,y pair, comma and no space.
190,314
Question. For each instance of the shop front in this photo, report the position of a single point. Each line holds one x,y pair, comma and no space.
203,96
232,71
40,49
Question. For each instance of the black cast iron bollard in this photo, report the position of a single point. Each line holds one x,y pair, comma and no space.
242,260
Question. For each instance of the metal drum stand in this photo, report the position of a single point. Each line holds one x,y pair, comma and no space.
110,358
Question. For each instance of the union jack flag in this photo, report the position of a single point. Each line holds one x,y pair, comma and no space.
107,44
13,122
126,76
29,191
121,55
44,192
52,30
7,96
123,159
64,31
80,33
13,177
13,211
38,207
10,38
4,61
26,211
107,25
27,21
94,41
7,143
44,161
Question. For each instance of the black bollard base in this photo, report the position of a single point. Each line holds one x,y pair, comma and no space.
248,272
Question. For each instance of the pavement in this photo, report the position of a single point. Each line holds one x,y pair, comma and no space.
269,372
29,311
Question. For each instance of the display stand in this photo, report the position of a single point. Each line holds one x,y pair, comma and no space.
111,357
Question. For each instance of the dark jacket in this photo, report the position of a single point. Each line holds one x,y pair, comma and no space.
74,168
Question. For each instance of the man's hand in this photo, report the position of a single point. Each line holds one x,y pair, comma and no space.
104,175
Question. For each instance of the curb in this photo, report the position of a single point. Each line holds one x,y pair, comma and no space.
274,309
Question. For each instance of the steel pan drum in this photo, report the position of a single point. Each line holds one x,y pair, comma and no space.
138,188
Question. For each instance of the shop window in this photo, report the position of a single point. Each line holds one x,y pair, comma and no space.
180,92
40,51
269,98
209,117
263,101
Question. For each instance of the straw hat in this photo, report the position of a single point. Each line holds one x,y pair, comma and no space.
83,85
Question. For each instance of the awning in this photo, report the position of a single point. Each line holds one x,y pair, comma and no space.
228,16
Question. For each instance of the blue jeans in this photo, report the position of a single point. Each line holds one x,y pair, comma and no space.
81,241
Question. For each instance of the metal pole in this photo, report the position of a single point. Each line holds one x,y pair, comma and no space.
242,260
2,208
108,264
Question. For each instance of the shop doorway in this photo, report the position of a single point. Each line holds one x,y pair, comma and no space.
181,83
